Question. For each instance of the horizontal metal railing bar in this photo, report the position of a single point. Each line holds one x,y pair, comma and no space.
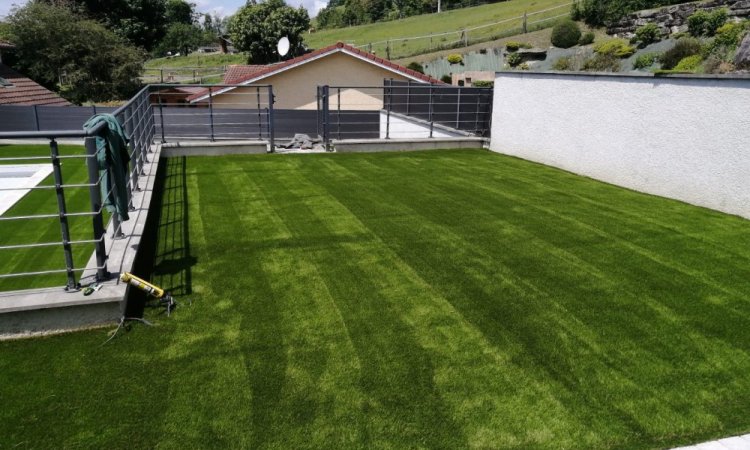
49,244
47,272
54,134
206,86
425,87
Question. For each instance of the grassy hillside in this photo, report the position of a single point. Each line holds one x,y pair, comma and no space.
450,21
196,60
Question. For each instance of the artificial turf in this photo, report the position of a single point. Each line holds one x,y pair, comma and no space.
36,231
447,299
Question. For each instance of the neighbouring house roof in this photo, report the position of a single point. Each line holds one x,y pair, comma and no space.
252,75
5,45
238,73
21,90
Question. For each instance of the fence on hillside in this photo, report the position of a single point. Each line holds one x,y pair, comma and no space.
405,47
136,117
188,75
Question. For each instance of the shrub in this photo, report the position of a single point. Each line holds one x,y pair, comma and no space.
714,64
483,83
729,35
563,64
524,66
602,62
704,23
415,66
615,47
645,60
586,39
512,46
565,34
455,58
689,64
513,59
648,34
446,79
683,48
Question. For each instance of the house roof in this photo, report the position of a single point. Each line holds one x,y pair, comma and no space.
252,75
25,91
5,45
237,73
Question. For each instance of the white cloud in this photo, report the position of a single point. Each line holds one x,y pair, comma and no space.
7,5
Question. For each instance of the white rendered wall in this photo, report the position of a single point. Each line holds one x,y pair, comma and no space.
402,127
684,138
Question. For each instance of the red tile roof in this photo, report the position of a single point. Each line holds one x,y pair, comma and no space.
237,73
24,91
254,72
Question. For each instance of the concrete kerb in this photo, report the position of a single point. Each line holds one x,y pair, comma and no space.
217,148
401,145
52,310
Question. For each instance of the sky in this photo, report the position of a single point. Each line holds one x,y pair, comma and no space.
221,7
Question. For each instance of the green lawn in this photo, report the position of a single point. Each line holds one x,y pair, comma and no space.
44,230
445,299
447,21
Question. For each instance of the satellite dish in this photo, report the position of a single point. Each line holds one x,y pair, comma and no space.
283,46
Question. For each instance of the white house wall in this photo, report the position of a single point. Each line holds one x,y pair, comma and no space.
683,138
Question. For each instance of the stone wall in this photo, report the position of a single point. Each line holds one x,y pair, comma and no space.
673,19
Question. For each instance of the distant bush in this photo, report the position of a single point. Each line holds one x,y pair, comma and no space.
648,34
615,47
513,46
483,83
602,62
729,35
446,79
704,23
689,64
414,65
513,59
715,64
455,58
524,66
565,34
645,60
683,48
586,39
563,64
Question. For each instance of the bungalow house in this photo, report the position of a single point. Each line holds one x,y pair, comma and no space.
295,81
16,89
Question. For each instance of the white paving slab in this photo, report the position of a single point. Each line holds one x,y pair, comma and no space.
731,443
19,178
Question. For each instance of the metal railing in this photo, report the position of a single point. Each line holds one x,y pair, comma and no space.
218,111
137,119
403,110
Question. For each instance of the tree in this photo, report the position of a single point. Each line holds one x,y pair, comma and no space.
142,22
52,41
257,27
179,11
181,37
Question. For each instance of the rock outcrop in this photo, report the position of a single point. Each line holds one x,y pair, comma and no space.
673,19
742,57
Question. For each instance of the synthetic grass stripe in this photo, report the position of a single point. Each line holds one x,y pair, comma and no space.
437,299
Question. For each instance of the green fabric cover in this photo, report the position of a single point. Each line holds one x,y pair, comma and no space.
113,158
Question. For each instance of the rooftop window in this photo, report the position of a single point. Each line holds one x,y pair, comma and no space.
5,83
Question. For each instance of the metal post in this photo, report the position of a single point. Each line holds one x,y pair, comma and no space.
317,102
161,76
211,112
57,170
260,119
525,23
97,220
458,110
476,116
326,137
161,118
128,120
388,109
338,112
93,109
408,95
430,111
36,119
271,132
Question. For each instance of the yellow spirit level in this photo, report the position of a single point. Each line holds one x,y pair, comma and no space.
154,291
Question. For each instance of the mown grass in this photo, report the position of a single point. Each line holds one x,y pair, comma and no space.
447,299
447,21
35,231
196,60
